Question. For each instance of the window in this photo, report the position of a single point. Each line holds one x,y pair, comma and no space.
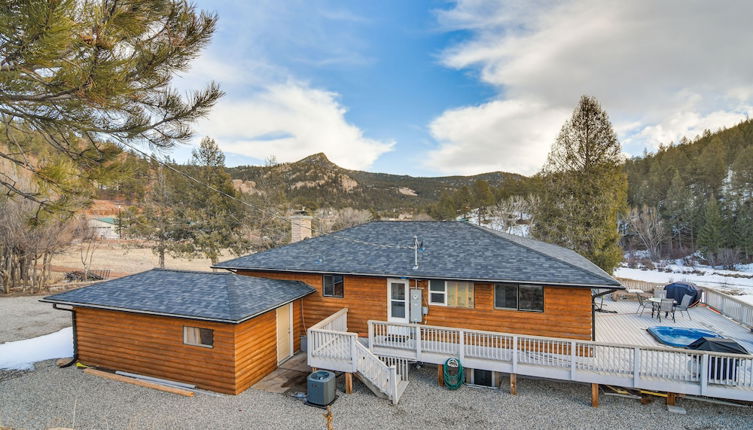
506,296
198,336
437,294
531,298
333,286
451,293
519,297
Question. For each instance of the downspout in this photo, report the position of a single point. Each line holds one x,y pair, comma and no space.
75,340
593,310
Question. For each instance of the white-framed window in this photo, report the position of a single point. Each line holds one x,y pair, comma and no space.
198,336
451,293
520,297
437,292
333,286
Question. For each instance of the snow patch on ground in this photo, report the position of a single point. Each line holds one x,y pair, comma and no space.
22,354
723,280
498,223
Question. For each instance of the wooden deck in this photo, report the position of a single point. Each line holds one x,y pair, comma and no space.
628,327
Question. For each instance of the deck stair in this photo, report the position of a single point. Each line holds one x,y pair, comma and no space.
332,347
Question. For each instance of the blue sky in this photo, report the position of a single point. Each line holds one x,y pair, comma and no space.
442,87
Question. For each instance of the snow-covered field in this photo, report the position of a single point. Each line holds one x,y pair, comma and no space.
22,354
738,282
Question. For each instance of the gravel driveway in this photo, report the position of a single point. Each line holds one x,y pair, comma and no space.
24,317
50,397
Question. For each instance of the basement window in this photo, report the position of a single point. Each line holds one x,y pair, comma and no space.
519,297
198,336
334,286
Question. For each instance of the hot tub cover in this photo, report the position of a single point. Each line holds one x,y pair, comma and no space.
677,290
716,344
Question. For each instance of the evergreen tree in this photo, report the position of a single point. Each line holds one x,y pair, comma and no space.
482,198
79,73
711,236
585,188
742,173
155,218
744,230
677,208
207,221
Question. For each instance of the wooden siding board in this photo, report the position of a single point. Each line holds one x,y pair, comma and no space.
153,345
567,310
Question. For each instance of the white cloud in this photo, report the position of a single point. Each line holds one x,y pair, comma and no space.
291,121
268,109
499,135
661,69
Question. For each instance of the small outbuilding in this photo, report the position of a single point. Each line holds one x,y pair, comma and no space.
220,331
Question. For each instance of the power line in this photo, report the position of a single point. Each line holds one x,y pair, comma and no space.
249,205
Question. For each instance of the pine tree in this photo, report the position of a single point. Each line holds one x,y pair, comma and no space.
80,73
744,230
711,235
585,187
211,221
482,197
678,207
155,218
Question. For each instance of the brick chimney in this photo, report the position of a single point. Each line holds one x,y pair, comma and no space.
300,226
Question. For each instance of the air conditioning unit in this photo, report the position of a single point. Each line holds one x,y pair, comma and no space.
321,388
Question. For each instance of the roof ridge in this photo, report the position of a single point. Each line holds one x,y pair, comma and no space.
498,234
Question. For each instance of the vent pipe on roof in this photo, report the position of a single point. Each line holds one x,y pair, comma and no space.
300,226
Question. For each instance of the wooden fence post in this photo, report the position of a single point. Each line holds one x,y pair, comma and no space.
348,383
513,384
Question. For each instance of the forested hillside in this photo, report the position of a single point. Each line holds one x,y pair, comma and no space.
700,193
316,182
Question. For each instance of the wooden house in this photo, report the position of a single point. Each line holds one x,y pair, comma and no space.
466,277
218,331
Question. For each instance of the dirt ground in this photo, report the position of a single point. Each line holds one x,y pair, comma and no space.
122,259
26,317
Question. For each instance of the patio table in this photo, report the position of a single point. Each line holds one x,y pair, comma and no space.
655,302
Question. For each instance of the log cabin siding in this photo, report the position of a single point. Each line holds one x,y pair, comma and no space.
152,345
256,346
567,310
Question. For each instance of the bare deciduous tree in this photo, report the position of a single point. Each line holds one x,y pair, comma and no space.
648,226
329,220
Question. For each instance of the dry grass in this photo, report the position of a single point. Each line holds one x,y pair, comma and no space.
126,259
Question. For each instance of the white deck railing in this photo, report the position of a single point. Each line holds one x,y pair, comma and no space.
729,306
332,347
652,368
734,309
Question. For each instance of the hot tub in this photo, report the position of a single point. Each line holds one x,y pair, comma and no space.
680,337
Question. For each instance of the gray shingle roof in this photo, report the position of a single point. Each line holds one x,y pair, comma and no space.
224,296
452,250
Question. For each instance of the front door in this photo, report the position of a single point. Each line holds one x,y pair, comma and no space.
397,300
284,332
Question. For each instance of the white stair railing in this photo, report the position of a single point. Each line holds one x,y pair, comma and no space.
332,347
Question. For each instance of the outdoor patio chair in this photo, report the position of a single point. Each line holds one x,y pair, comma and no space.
683,306
643,304
660,293
668,307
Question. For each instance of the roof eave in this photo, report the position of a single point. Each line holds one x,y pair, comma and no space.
617,285
173,315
